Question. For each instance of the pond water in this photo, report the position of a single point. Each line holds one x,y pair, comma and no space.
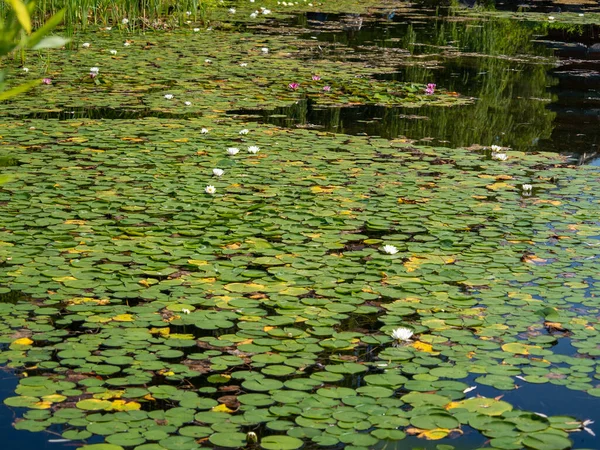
151,302
539,90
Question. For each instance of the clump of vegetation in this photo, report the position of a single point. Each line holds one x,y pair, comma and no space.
17,35
132,14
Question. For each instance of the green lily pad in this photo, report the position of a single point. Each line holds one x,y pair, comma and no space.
281,443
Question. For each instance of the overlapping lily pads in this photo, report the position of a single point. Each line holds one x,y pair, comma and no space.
163,291
149,311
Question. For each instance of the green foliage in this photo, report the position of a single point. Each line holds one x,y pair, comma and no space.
155,314
16,35
79,14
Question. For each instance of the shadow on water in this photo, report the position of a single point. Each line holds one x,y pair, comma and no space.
103,113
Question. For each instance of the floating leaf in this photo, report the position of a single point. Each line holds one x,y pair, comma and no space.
93,404
281,443
482,405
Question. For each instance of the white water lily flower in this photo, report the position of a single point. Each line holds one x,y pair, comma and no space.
253,15
585,424
125,21
496,148
126,44
25,69
266,11
402,334
196,30
208,61
500,156
85,45
113,52
231,10
390,249
185,311
251,439
551,18
168,96
264,50
210,189
204,131
187,103
218,172
244,131
94,70
527,187
253,149
232,151
108,28
189,13
243,64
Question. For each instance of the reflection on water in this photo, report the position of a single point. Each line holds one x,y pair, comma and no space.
537,84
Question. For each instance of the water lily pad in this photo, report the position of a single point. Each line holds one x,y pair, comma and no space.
93,404
281,442
550,441
228,440
483,405
102,447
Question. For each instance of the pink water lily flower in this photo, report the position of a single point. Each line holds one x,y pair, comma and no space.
46,81
326,88
430,89
293,86
316,77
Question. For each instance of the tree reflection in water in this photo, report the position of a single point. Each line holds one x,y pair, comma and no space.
495,61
